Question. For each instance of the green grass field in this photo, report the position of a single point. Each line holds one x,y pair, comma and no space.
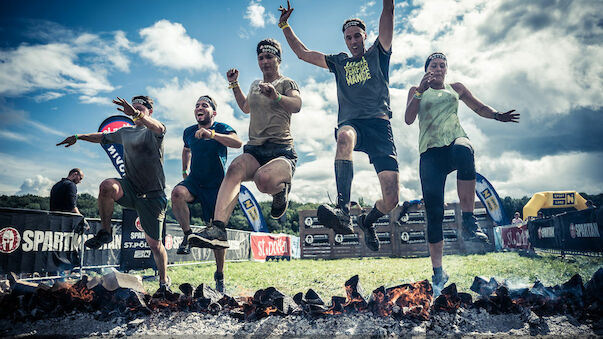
327,277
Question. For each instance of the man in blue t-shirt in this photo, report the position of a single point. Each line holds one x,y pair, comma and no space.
363,120
205,151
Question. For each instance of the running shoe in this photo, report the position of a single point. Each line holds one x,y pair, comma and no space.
370,234
212,237
164,289
336,219
437,282
472,231
280,201
101,238
184,247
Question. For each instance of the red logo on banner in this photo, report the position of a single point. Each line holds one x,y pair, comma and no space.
516,237
10,239
169,241
263,246
138,224
114,126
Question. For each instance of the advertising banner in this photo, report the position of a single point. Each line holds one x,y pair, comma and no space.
108,254
135,251
515,237
490,199
38,241
580,231
115,151
270,246
543,233
252,210
295,249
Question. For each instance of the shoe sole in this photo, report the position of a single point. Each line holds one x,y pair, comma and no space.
286,205
329,220
183,252
95,248
198,241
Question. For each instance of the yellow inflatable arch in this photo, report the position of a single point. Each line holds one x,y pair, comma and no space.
557,199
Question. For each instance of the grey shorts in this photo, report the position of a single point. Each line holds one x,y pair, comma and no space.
268,151
150,207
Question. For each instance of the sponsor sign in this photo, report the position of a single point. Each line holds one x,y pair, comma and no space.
252,210
10,240
412,237
115,151
490,199
135,251
515,237
270,246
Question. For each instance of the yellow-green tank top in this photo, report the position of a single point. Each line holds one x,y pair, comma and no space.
438,120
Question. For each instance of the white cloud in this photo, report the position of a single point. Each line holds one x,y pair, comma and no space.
4,134
19,119
257,16
47,96
86,99
38,185
167,44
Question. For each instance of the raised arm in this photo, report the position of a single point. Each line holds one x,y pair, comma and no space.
386,24
91,137
149,122
233,75
230,139
302,52
414,99
482,109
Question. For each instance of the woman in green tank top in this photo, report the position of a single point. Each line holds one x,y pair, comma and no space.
444,147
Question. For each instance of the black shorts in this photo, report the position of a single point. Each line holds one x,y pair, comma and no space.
375,138
268,151
206,196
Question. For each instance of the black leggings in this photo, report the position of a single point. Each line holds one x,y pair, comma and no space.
435,164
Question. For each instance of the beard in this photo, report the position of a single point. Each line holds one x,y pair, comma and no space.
205,120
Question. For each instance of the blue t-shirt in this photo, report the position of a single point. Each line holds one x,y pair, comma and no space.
362,83
208,159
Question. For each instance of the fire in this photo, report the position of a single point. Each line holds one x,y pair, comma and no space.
270,309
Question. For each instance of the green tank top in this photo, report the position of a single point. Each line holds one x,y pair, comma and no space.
438,120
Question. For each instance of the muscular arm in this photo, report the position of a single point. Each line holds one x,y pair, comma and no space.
231,139
412,107
90,137
386,25
241,99
482,109
291,101
152,124
186,160
302,52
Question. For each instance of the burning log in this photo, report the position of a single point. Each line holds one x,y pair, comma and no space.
267,302
484,287
451,300
355,301
311,303
407,299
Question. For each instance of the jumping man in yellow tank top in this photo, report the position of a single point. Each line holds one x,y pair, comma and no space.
444,147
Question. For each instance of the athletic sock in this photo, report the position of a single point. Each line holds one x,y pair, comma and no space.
189,232
438,270
218,275
219,224
373,215
344,173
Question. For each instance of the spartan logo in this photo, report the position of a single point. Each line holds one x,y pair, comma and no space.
10,239
138,224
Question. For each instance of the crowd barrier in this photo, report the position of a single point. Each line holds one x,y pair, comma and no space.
404,238
34,241
576,232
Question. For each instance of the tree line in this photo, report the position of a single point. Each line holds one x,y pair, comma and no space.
87,204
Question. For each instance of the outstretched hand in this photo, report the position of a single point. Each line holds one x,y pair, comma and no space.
126,107
285,12
69,141
508,116
268,90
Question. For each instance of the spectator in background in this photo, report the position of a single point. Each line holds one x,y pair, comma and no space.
539,215
63,195
590,204
517,219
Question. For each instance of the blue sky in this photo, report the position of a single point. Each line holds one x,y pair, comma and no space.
62,62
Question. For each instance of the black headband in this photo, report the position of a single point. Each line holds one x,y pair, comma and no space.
353,22
434,56
142,102
209,100
266,48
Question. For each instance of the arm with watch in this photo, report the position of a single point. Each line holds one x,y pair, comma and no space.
231,139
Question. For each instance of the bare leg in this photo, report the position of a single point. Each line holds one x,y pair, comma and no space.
436,252
466,192
180,197
271,177
389,190
220,259
241,169
160,256
109,192
346,140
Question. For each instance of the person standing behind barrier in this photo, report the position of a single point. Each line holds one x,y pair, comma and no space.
363,119
444,147
269,158
517,219
204,152
63,195
142,186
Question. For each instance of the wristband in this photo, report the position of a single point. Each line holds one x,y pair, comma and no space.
184,172
279,98
283,25
233,84
496,115
417,95
213,134
137,116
